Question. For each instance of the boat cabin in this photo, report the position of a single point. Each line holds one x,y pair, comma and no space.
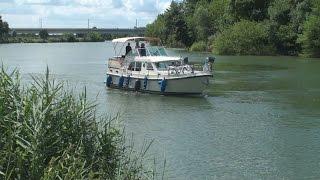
147,57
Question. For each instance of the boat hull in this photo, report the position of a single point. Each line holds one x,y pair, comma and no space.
182,85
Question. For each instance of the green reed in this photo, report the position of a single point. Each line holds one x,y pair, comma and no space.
46,132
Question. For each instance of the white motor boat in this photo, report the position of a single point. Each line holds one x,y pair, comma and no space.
148,68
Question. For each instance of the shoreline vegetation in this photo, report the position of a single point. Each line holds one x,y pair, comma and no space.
67,37
247,27
47,132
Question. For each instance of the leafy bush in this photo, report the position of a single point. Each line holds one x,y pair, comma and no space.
48,133
199,46
43,34
310,38
244,38
69,37
94,37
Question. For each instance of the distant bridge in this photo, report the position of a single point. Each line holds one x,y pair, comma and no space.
59,31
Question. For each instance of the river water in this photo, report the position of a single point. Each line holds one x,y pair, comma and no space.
259,117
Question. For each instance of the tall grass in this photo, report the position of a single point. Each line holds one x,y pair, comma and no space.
46,132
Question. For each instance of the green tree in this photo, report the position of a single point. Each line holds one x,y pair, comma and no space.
249,9
176,30
4,30
94,37
220,15
310,39
244,38
202,23
69,37
157,28
286,22
192,21
44,34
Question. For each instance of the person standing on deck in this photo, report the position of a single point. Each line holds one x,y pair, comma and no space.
137,45
128,48
143,51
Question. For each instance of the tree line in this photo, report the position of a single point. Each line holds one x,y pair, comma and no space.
43,36
242,27
4,30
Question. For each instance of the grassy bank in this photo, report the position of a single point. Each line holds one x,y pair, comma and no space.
46,132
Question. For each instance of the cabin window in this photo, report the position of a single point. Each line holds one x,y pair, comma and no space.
149,66
138,66
161,66
131,66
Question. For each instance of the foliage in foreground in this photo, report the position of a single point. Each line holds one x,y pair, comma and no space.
48,133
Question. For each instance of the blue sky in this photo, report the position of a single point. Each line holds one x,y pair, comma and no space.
75,13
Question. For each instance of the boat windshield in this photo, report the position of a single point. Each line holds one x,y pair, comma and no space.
163,66
149,51
157,51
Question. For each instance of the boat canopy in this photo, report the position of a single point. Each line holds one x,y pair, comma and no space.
126,39
120,42
157,59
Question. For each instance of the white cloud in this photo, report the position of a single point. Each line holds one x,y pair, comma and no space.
74,13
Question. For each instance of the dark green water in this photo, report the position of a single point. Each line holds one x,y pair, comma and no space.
259,119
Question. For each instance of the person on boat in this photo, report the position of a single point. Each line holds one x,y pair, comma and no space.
143,51
137,45
128,48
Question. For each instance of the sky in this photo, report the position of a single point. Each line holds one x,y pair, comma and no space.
75,13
